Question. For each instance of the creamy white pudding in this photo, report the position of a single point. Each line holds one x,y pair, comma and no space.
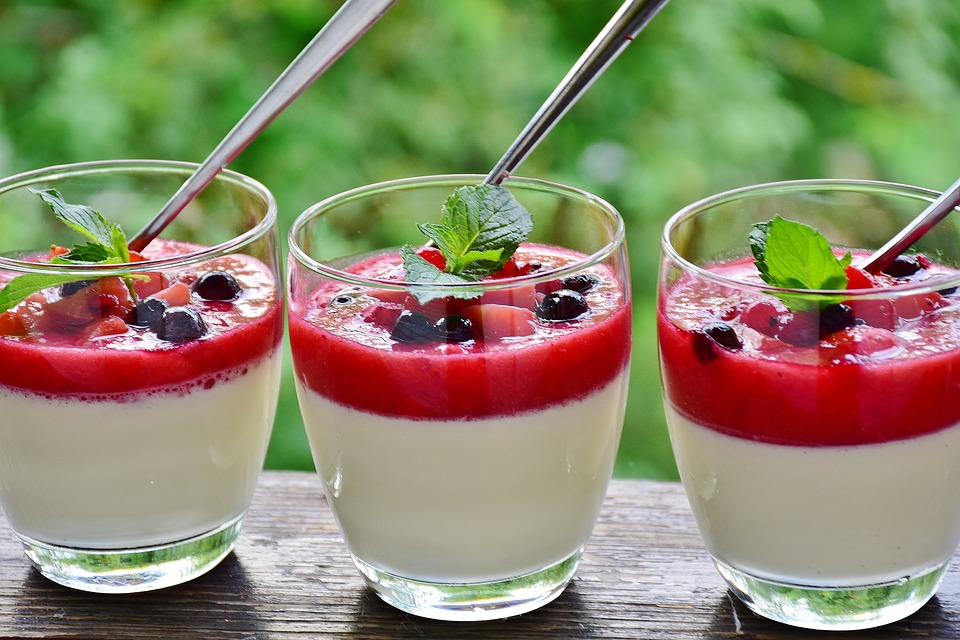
466,501
822,515
149,469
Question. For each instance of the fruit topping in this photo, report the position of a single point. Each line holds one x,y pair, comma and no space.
454,328
765,316
383,314
180,324
176,295
581,283
836,317
903,266
500,321
70,288
434,256
217,285
413,327
149,312
802,329
562,305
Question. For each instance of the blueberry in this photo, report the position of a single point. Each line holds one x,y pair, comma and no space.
903,267
149,312
70,288
581,283
836,317
413,327
562,305
217,285
715,333
180,324
454,328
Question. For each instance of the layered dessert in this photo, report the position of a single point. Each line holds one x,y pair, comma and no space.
819,443
136,411
465,440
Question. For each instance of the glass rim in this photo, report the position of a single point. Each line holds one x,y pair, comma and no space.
140,166
453,181
877,187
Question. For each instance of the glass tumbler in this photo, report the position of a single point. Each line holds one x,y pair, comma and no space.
466,455
816,430
137,394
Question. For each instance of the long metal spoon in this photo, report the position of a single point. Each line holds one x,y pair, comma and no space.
927,219
629,20
345,27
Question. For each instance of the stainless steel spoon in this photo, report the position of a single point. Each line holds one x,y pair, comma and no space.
345,27
927,219
620,31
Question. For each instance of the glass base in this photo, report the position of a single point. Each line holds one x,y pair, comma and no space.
472,602
833,608
133,570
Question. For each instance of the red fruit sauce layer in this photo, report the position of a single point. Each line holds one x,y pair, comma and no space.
353,361
121,367
864,384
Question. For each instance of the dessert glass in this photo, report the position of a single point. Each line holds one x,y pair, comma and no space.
466,477
821,467
127,462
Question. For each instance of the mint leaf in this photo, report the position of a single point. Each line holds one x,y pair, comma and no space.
108,245
793,255
480,228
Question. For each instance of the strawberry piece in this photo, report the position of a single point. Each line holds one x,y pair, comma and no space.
434,256
766,316
524,297
109,326
876,313
12,324
57,250
500,321
176,295
382,314
862,340
109,296
801,329
512,269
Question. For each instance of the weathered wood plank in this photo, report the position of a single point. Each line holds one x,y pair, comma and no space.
645,575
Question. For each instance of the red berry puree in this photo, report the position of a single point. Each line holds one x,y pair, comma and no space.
89,342
518,352
861,371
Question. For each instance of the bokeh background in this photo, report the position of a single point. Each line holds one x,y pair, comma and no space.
714,94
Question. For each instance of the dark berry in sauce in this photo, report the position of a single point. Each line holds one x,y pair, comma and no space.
180,324
836,317
70,288
217,285
903,266
454,328
413,327
581,283
149,312
562,305
715,333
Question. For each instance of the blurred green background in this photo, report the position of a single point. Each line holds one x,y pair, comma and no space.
714,94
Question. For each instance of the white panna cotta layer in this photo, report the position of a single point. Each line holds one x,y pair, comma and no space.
822,516
466,501
153,470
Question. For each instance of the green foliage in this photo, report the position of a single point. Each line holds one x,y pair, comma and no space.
713,95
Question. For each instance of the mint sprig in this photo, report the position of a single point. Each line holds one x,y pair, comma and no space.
106,244
793,255
480,228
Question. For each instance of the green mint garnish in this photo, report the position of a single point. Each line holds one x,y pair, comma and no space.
480,228
106,245
793,255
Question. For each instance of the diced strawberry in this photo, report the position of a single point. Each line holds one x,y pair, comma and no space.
151,287
876,313
433,256
177,294
923,260
862,340
383,314
524,297
512,269
56,250
70,312
908,307
549,286
766,316
801,329
398,296
12,324
109,326
500,321
109,296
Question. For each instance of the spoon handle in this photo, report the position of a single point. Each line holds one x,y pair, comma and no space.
345,27
632,16
925,221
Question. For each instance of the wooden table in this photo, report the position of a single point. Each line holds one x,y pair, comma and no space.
645,575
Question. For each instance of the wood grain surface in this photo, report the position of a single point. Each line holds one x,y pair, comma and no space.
645,575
